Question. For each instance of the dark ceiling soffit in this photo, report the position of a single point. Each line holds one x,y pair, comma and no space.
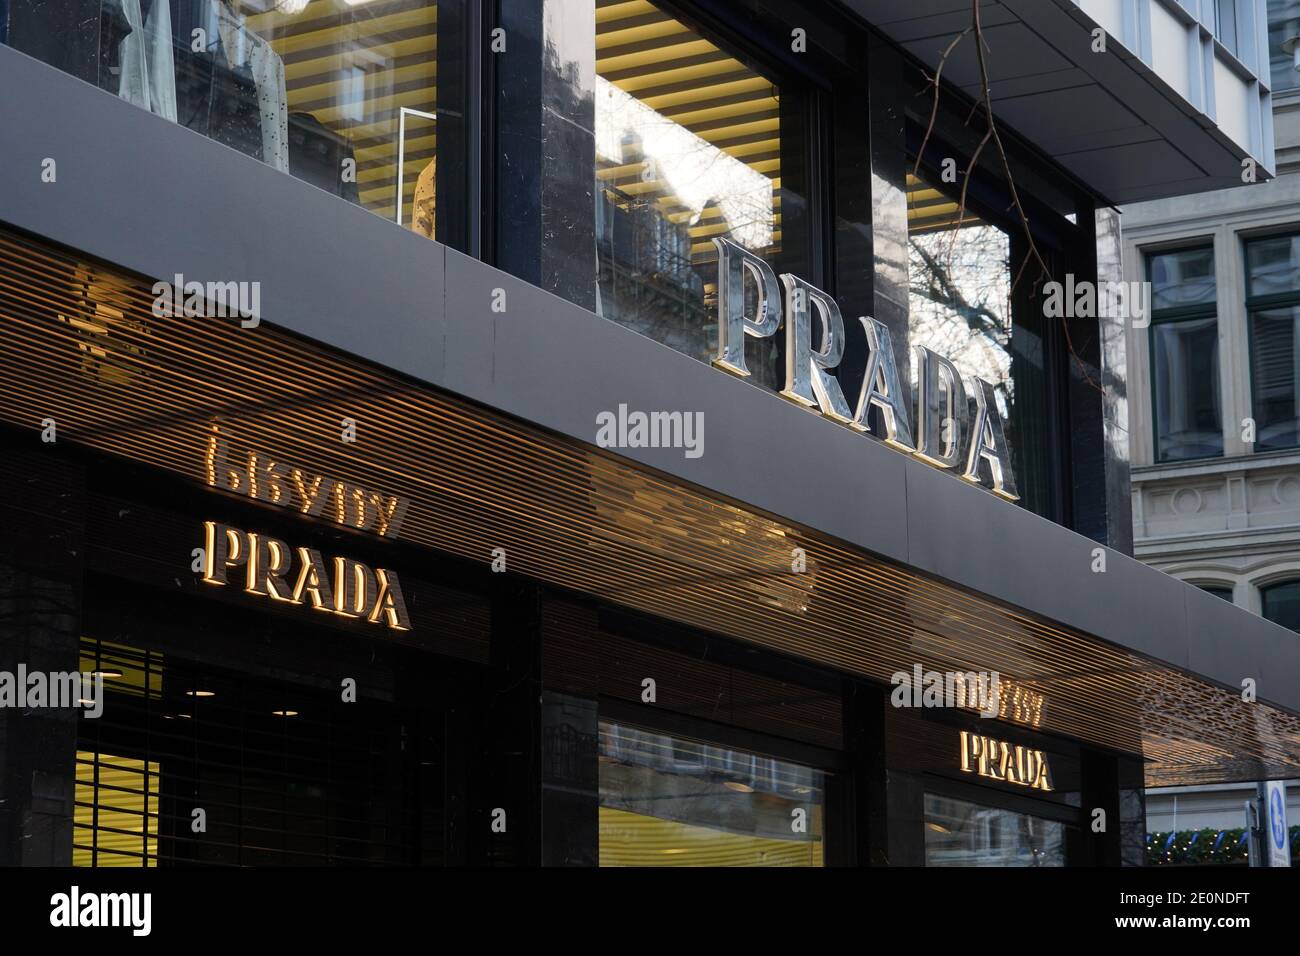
1061,26
171,201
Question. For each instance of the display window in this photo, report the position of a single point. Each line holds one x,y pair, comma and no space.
667,800
960,833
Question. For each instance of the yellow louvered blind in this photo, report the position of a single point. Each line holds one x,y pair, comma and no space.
353,67
692,84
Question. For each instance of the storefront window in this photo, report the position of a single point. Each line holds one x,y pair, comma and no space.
343,94
278,771
688,148
962,305
672,801
958,833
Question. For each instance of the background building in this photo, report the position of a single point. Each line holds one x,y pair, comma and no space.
1214,413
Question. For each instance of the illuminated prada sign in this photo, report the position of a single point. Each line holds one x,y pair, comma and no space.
1009,763
278,482
271,569
949,433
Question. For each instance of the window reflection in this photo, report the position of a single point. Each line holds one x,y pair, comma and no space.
962,305
958,833
687,149
1184,342
960,284
672,801
1273,301
1187,405
1283,26
340,93
1281,604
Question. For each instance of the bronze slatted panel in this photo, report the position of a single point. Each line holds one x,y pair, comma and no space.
82,347
582,658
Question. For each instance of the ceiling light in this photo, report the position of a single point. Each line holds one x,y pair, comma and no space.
285,713
200,693
738,786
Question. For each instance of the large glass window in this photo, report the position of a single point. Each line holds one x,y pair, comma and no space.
343,94
688,148
958,833
1281,604
962,305
1273,304
1283,35
672,801
1184,341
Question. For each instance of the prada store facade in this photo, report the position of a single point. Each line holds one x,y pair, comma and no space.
325,371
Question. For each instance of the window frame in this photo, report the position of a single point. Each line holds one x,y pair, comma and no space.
1173,316
1273,585
1260,303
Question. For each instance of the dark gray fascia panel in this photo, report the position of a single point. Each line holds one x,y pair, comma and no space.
168,200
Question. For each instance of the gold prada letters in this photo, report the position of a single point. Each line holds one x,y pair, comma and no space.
338,586
1010,763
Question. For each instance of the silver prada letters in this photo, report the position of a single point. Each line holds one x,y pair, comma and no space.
956,428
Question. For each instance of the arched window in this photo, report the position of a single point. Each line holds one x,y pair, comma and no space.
1281,604
1218,590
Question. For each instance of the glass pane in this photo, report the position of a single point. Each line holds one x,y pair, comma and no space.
340,93
965,834
1273,265
962,305
1218,591
1183,278
1273,369
1226,23
1283,23
672,801
1189,422
1282,604
688,148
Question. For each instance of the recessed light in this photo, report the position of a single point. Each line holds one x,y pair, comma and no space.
107,673
200,693
676,850
738,786
285,713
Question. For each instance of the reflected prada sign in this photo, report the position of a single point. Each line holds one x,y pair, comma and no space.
1010,763
952,429
339,586
271,479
